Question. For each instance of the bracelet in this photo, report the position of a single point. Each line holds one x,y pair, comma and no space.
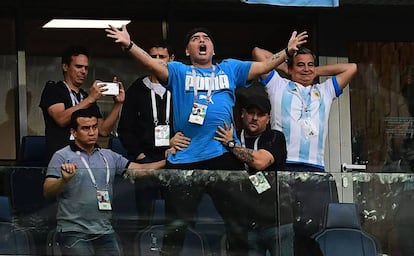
288,54
129,46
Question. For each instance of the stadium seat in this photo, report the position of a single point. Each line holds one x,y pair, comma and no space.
32,151
342,234
14,240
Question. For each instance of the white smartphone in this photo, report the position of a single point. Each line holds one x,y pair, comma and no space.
113,88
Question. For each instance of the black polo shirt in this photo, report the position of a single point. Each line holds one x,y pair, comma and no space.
57,137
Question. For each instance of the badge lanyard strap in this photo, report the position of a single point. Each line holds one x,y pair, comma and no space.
243,144
210,86
75,100
154,108
305,105
90,171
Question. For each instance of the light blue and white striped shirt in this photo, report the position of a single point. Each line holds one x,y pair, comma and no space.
292,103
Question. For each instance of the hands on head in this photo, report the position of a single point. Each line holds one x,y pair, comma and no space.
295,41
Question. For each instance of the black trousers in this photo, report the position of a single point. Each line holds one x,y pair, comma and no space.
311,195
183,193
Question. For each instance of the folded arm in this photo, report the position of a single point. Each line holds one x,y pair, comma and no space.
344,72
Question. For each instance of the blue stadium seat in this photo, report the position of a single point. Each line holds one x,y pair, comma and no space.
32,151
13,239
5,209
342,234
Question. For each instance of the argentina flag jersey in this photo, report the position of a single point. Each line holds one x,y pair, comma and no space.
302,114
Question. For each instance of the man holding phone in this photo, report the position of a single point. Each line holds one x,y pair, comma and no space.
59,100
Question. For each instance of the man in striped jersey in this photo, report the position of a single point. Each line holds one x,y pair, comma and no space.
300,109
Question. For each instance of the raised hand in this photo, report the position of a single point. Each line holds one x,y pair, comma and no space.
296,40
121,36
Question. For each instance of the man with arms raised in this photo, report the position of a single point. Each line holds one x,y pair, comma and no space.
203,97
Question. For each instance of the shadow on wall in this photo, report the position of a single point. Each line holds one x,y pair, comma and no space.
7,128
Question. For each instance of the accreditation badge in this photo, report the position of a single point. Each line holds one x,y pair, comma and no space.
198,114
162,135
308,127
104,203
259,182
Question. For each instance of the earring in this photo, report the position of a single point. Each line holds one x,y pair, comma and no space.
214,53
187,54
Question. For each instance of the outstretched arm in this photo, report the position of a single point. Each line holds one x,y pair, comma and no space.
265,65
344,72
139,170
154,65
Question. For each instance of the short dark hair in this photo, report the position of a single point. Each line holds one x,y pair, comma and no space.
302,50
73,50
162,44
84,112
196,30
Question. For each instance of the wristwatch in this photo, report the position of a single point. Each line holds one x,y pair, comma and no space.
231,144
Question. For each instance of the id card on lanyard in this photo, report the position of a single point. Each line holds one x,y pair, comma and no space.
199,111
102,195
305,121
161,132
258,179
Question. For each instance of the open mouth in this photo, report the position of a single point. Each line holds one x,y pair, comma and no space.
203,49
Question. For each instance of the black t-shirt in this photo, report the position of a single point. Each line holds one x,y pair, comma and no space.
274,142
57,137
263,208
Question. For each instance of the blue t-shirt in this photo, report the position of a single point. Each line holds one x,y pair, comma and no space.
228,75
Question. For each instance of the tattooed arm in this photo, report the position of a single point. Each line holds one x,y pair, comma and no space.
257,159
265,65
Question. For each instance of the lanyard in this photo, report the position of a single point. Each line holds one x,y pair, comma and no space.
210,86
306,101
74,99
158,88
90,171
154,108
243,144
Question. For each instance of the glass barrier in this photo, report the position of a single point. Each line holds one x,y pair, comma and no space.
217,211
